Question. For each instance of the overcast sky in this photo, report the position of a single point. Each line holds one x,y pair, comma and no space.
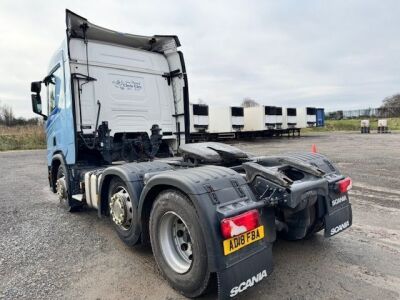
332,54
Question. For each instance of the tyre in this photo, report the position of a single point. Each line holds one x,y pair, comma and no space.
178,243
301,225
63,193
123,212
316,224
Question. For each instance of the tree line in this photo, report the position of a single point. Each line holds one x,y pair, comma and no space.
8,118
390,102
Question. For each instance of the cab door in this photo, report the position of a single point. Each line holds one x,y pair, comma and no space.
56,111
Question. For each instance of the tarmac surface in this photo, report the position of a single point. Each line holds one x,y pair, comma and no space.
47,253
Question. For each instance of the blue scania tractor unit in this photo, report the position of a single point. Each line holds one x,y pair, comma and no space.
116,110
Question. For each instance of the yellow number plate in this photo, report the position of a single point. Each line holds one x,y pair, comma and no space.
242,240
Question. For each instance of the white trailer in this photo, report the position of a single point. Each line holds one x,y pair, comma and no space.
199,118
289,116
261,118
306,117
226,119
254,118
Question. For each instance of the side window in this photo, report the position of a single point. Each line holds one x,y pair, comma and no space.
55,90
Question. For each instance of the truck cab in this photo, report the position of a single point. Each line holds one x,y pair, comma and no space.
111,96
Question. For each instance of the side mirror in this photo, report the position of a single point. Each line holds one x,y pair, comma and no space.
36,87
37,105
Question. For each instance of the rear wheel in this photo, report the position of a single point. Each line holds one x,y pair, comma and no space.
178,243
301,225
316,224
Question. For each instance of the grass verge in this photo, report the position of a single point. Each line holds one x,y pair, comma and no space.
22,138
353,125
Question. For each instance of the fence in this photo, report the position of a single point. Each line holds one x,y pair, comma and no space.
381,112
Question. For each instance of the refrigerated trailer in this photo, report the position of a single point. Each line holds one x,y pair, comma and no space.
290,119
222,123
242,123
226,120
262,118
199,118
306,117
117,120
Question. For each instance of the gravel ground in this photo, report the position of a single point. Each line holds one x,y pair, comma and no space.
46,253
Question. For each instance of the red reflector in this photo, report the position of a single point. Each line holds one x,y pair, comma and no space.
239,224
344,185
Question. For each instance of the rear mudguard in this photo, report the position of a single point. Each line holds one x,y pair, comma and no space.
133,175
216,192
335,208
219,192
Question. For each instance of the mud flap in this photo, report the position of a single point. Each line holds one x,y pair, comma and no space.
338,220
245,274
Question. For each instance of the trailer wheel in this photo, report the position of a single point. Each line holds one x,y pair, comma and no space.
123,211
178,243
63,192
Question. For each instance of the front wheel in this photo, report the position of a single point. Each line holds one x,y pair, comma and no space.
63,192
178,243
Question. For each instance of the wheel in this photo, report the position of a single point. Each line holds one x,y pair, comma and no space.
316,224
63,193
123,212
301,225
178,243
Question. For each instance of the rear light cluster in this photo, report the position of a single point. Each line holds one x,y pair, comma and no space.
345,185
239,224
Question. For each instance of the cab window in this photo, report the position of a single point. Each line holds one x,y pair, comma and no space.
55,89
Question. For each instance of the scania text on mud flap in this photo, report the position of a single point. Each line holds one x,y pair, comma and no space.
339,200
339,228
248,283
117,115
